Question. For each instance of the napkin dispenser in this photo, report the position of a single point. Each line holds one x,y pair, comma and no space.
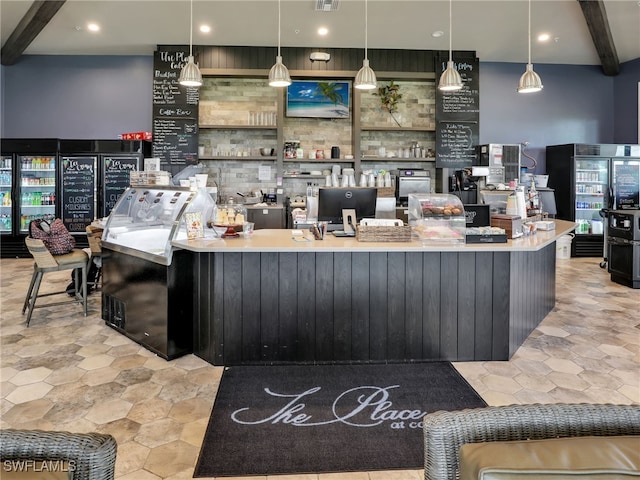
512,224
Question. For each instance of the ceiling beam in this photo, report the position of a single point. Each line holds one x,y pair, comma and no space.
37,17
598,23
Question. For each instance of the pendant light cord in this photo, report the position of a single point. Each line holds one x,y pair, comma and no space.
450,32
191,32
366,27
278,27
529,32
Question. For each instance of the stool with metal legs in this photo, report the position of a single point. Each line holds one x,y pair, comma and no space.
46,262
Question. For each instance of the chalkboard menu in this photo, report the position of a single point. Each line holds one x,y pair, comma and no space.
175,111
626,185
78,192
116,178
458,115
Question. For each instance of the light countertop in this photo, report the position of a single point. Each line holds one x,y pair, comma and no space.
282,240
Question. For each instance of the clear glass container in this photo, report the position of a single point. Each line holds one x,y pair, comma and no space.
231,216
437,217
146,219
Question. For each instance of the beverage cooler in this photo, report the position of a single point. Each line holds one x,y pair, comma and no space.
76,180
585,177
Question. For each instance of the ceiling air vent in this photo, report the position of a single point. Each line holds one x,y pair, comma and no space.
327,5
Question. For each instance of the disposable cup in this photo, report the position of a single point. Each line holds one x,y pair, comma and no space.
201,179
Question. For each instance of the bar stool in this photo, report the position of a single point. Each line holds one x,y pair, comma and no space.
46,262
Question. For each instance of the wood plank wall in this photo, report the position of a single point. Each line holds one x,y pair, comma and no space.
368,307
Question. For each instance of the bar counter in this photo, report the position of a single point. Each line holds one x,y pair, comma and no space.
270,298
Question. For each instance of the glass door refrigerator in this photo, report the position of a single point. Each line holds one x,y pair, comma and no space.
29,187
581,175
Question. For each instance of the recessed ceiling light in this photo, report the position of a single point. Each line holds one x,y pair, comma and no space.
437,34
323,31
544,37
205,28
93,27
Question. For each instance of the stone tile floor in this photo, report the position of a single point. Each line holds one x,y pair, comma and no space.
67,372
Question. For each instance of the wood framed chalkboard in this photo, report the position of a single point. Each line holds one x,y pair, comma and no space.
78,192
175,111
116,175
458,114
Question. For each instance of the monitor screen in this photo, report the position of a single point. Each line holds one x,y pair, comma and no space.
331,201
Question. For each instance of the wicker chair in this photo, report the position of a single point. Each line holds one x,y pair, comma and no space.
90,456
46,262
446,432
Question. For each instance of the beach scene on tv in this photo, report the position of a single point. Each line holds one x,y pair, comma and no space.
308,98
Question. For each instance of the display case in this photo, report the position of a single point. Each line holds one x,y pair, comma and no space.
148,218
437,217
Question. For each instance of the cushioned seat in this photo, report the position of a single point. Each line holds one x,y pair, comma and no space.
44,263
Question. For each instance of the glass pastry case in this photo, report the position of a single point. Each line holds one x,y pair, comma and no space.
147,218
437,217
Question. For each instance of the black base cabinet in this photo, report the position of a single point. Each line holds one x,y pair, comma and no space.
150,303
306,307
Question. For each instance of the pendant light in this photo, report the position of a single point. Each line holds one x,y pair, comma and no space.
529,81
279,75
190,75
366,78
450,79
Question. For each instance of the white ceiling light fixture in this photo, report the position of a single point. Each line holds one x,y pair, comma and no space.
279,74
450,79
530,81
366,78
190,75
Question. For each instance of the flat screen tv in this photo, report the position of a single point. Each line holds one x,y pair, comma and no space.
331,201
316,99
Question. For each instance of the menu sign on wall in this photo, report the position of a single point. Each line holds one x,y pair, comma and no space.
116,178
626,184
78,192
175,111
458,115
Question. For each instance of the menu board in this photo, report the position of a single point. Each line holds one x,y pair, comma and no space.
175,111
456,144
78,192
626,185
458,115
116,178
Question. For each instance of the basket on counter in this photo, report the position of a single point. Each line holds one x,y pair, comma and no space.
371,233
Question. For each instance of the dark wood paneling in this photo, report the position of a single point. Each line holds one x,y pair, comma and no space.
324,305
378,300
269,312
342,306
483,305
250,321
306,301
466,305
360,273
431,304
369,306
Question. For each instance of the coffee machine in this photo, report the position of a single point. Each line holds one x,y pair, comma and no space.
411,181
502,160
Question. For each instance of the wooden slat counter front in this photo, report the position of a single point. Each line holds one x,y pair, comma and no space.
269,298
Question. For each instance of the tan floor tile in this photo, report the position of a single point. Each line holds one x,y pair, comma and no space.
95,362
397,475
193,432
535,383
27,393
65,375
24,412
190,410
159,432
93,350
632,392
564,366
141,392
100,376
6,373
343,476
150,410
501,384
133,461
108,411
140,475
128,361
171,458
